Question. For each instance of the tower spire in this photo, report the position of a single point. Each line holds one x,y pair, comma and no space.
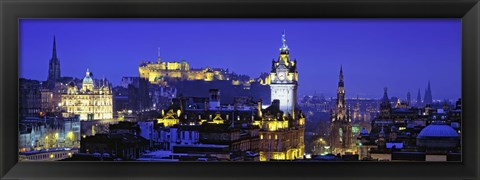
54,51
409,100
341,73
284,49
385,95
53,66
428,95
419,98
341,103
428,88
158,55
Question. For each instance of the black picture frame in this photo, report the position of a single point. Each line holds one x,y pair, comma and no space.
12,10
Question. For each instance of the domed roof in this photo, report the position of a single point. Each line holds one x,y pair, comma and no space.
364,131
438,130
88,79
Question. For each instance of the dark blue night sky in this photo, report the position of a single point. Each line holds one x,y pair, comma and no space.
402,54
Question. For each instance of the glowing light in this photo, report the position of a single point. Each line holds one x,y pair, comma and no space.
178,113
308,156
70,135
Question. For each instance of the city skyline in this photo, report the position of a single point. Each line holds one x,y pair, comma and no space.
434,56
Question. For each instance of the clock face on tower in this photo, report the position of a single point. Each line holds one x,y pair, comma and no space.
281,76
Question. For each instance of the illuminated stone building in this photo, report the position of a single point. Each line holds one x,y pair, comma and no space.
281,136
160,72
276,132
284,80
91,101
341,128
37,133
282,124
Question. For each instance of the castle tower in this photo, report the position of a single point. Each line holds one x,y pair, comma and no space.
284,78
53,67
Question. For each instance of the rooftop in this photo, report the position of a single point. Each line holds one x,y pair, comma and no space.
438,130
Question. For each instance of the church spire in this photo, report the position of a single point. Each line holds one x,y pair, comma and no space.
428,95
54,51
385,95
53,67
419,99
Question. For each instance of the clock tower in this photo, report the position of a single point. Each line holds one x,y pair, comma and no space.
284,80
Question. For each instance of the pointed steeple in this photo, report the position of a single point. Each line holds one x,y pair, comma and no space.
409,99
54,51
385,95
419,99
341,73
158,55
429,86
428,95
341,103
53,66
284,49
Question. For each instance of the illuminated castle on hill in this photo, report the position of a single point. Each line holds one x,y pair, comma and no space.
161,72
